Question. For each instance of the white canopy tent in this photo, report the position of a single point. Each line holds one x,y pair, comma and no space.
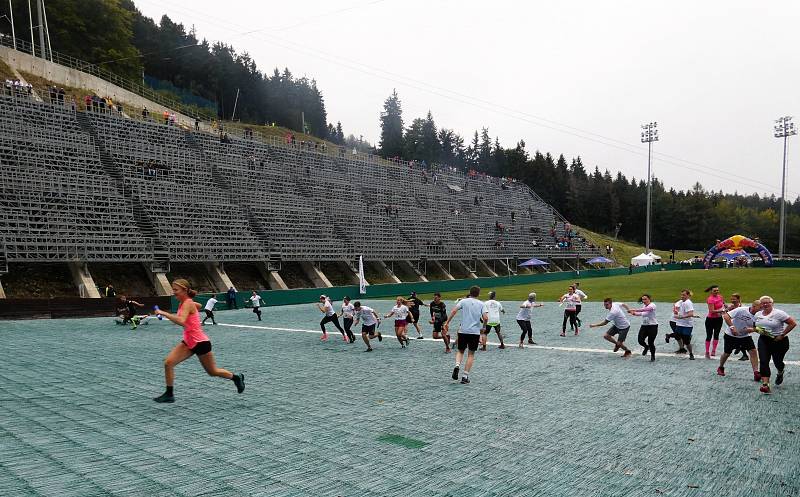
655,257
642,260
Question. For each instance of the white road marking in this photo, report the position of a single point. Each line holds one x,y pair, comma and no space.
527,346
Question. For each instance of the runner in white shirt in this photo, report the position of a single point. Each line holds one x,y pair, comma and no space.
492,309
369,321
524,318
619,326
209,308
400,312
255,301
773,325
674,327
347,318
325,306
737,336
583,297
570,300
683,312
649,327
472,319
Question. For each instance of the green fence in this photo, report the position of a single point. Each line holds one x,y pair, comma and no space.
307,295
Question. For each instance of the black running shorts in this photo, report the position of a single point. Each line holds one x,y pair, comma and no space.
468,340
368,329
200,348
732,343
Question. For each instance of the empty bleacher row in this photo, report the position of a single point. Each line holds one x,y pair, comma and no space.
244,199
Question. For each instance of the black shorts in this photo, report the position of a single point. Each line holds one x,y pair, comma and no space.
468,340
209,314
369,329
622,334
413,317
744,342
437,326
488,328
200,348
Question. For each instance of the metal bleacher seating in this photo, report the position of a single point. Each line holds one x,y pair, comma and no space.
101,186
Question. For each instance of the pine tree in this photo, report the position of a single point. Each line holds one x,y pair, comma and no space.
391,142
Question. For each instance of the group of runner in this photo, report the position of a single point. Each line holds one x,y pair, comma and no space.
479,318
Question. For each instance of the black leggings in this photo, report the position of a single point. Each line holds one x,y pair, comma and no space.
527,329
573,320
257,312
331,319
713,327
348,323
769,348
649,332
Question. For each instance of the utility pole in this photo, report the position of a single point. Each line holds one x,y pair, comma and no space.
41,28
784,128
649,135
30,19
13,33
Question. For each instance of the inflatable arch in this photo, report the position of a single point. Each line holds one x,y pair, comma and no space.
737,242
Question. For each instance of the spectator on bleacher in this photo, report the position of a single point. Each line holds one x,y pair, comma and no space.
145,113
535,243
476,202
53,94
109,291
166,117
294,140
225,138
119,108
172,119
61,95
196,124
87,101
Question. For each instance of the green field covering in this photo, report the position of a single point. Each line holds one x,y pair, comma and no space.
566,418
783,284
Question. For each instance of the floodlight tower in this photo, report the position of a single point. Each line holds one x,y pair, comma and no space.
784,128
649,135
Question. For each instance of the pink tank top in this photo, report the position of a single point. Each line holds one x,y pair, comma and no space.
716,302
192,331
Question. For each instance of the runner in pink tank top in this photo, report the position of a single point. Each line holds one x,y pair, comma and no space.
195,342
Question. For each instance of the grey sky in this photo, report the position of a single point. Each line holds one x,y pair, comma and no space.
713,74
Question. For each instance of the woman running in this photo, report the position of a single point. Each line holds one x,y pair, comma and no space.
736,302
326,307
195,342
716,306
683,313
400,312
524,319
649,328
347,318
570,300
773,325
255,300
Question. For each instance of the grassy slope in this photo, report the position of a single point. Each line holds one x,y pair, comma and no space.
666,285
624,251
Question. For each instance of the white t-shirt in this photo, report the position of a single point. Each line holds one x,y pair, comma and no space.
256,300
493,309
684,307
774,322
570,301
328,307
674,306
347,311
366,317
648,314
741,319
524,313
400,312
471,316
580,294
210,303
616,316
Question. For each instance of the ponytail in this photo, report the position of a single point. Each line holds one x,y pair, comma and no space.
181,282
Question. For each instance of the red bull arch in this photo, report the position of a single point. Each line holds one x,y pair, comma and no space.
737,242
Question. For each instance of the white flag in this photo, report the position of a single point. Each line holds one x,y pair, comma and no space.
362,282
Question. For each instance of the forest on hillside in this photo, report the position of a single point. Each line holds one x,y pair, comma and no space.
114,34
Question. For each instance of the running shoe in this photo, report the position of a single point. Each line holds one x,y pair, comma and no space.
691,357
455,373
645,350
563,334
521,345
576,332
765,388
708,356
756,376
238,380
502,346
666,338
380,337
626,354
324,337
681,351
345,338
721,371
530,340
465,380
165,398
779,378
420,337
368,350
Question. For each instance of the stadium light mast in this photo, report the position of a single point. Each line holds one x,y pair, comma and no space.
649,135
784,128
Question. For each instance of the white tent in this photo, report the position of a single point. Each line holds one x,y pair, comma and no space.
655,257
642,260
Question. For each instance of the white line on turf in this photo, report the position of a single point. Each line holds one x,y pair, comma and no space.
542,347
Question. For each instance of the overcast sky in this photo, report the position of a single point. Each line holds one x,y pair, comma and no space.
572,77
